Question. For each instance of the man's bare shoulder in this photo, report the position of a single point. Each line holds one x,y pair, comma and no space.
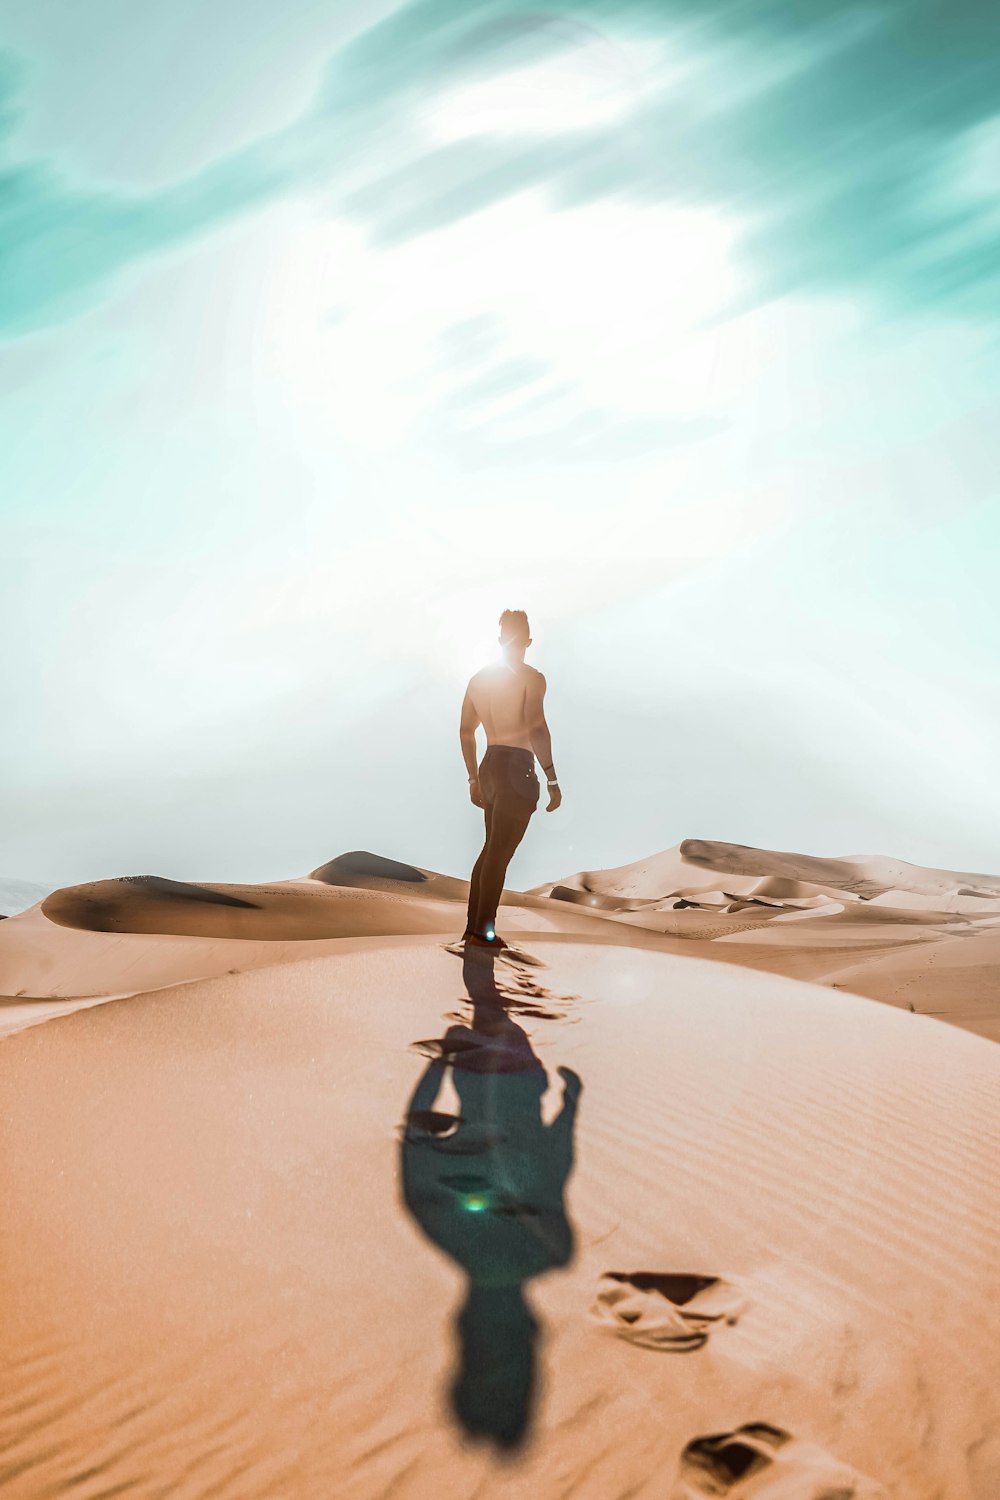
480,684
497,672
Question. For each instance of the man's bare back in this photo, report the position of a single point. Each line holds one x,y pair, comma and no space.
500,696
507,698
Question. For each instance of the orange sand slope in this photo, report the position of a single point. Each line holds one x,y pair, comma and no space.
655,1224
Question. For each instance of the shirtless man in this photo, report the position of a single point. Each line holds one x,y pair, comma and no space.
506,698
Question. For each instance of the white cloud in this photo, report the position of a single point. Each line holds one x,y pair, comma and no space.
590,84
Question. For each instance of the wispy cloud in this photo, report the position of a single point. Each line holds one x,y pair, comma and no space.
831,130
63,243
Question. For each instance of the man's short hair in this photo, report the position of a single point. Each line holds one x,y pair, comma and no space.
514,625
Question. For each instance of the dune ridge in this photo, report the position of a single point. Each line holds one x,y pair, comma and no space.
756,908
109,939
693,867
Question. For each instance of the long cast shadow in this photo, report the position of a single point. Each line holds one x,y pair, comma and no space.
486,1185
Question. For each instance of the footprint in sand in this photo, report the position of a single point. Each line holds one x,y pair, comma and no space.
761,1462
660,1310
510,955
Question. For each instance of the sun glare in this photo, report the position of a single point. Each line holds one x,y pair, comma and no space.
603,305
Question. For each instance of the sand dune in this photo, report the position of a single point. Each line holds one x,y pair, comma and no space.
694,867
114,938
271,1241
956,978
373,872
866,876
594,900
842,922
747,906
290,910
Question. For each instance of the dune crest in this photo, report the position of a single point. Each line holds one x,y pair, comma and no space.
931,947
109,939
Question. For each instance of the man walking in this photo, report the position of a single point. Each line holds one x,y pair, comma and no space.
506,698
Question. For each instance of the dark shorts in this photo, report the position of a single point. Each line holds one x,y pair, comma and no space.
507,776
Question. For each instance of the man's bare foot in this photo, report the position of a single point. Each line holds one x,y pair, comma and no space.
479,940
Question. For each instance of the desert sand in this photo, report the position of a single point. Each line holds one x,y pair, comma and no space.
303,1201
926,940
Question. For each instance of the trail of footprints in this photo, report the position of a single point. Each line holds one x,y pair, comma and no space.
678,1312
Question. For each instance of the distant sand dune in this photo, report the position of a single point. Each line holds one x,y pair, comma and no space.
114,938
594,900
836,921
846,925
290,910
694,865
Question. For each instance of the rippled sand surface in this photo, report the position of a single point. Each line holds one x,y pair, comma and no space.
388,1222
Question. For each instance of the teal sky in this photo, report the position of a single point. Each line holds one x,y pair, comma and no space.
330,330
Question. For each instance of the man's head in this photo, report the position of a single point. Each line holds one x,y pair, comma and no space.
514,632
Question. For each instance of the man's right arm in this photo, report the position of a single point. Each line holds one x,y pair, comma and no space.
538,730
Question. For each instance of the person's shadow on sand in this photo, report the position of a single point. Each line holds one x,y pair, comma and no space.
486,1185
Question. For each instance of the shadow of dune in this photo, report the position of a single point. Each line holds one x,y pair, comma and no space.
102,905
596,900
183,890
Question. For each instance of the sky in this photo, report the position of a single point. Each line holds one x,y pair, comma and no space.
329,330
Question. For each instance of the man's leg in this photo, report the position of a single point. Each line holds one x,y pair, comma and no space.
475,884
511,817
